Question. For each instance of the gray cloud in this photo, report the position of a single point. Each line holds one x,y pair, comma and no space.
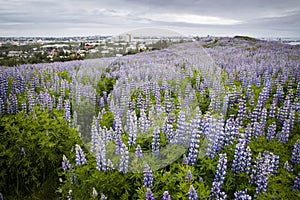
90,17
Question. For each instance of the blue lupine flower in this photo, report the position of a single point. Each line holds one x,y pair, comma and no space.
192,194
148,177
296,186
242,195
80,157
138,152
124,157
155,141
271,132
194,143
219,178
288,167
296,153
149,195
242,157
66,163
189,177
166,196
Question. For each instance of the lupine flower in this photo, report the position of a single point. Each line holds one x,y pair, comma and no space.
148,177
296,153
192,194
242,157
123,166
288,167
67,111
184,160
66,163
132,129
149,195
263,167
138,152
219,178
103,197
1,106
194,143
166,196
180,130
230,131
80,157
296,186
101,155
155,141
189,177
95,193
110,165
271,132
283,136
242,195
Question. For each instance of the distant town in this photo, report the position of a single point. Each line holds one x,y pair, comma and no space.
23,50
30,50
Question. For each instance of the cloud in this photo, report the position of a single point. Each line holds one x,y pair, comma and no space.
91,17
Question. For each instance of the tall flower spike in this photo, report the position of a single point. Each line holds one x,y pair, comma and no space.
189,177
123,166
192,194
148,177
296,186
138,152
296,153
80,157
65,163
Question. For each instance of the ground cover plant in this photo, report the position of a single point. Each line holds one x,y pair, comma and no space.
201,120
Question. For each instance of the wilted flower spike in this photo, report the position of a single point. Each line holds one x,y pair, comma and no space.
94,192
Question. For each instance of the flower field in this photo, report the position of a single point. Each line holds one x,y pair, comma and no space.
202,120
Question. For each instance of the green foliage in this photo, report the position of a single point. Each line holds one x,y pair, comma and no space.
30,153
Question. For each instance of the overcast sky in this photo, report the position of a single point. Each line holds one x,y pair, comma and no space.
269,18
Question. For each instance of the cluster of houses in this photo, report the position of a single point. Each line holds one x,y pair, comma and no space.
80,47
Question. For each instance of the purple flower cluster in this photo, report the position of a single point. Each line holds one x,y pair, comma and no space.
66,163
296,186
283,136
148,176
219,179
124,159
263,168
138,152
149,195
194,143
192,194
155,141
166,196
296,153
80,157
242,195
271,132
242,157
